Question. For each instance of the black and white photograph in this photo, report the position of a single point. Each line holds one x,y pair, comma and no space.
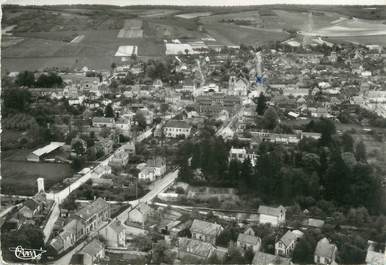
178,132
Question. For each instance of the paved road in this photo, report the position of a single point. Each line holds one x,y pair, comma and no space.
158,187
97,172
231,122
51,222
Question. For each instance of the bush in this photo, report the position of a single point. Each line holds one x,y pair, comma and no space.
180,190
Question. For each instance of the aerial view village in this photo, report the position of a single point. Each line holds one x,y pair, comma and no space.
193,135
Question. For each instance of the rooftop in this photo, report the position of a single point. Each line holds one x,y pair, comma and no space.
249,239
325,249
271,210
48,148
156,162
92,248
117,226
177,124
262,258
196,247
93,208
289,237
102,120
206,228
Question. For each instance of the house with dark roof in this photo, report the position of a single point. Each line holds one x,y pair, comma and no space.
140,213
103,122
175,128
249,240
262,258
325,252
271,215
312,222
91,254
205,231
286,244
114,235
30,208
94,214
194,249
158,164
70,234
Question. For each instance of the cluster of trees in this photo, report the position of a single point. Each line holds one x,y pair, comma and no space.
164,70
27,79
331,168
19,114
28,236
16,100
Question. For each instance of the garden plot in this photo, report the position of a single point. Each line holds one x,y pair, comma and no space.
130,33
132,28
127,50
174,48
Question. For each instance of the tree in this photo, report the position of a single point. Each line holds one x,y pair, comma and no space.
349,253
161,253
304,251
16,98
229,234
261,104
109,112
327,129
185,173
164,108
50,80
248,255
360,152
69,203
246,175
347,142
25,78
234,256
105,132
270,119
28,236
140,119
78,148
113,66
143,243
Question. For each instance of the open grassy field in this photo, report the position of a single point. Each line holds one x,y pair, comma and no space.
47,36
19,177
236,35
378,39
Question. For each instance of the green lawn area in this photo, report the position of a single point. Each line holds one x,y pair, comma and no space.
19,177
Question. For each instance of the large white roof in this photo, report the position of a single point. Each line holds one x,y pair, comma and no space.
48,148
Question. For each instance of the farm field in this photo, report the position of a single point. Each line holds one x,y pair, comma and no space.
232,35
158,12
32,47
126,50
19,177
130,33
194,15
77,37
378,39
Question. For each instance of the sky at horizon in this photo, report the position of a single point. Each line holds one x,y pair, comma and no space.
193,2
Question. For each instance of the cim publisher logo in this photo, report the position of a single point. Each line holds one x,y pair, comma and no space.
27,254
